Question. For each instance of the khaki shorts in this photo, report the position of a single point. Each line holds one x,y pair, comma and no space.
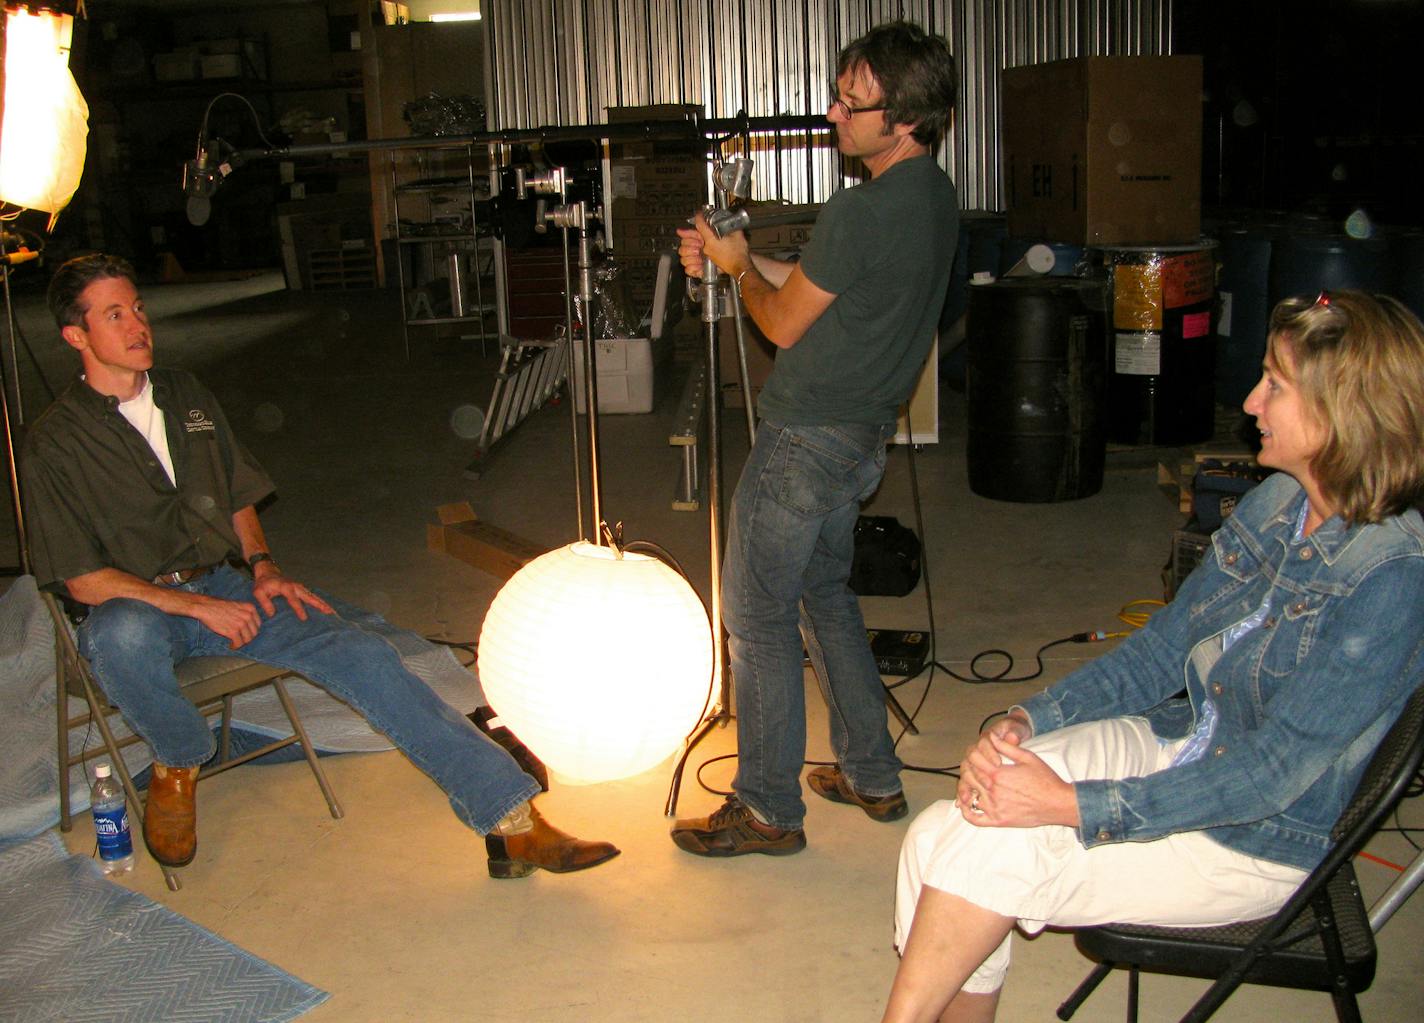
1042,876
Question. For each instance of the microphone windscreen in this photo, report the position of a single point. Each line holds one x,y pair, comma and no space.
200,208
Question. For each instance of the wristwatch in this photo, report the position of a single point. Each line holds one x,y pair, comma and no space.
258,558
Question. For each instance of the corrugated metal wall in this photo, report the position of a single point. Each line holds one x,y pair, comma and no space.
563,62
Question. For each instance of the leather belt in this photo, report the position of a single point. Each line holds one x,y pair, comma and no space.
183,575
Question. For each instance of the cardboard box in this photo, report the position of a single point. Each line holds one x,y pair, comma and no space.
641,274
649,198
781,238
653,179
644,236
497,551
1104,150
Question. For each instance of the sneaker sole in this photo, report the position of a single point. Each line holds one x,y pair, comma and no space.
766,849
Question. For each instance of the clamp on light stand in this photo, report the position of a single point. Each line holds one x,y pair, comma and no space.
577,216
741,218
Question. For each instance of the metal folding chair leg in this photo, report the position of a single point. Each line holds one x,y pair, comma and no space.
299,730
1082,991
99,716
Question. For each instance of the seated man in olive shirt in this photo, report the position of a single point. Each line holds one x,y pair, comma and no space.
140,501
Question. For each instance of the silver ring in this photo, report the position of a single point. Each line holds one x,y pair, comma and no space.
974,802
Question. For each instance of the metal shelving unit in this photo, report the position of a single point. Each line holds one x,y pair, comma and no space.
453,237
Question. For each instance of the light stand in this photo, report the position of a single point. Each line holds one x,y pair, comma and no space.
556,182
732,181
6,262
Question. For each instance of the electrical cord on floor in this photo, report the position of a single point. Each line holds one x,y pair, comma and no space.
708,763
1134,614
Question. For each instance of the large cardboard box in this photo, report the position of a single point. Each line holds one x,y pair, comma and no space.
1104,150
666,189
781,239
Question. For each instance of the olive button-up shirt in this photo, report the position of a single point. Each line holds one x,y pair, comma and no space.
95,496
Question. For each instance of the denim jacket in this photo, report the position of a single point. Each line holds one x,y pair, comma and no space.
1303,699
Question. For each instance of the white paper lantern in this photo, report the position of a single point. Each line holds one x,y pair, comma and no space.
600,664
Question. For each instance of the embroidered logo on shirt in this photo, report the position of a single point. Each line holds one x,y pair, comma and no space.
198,422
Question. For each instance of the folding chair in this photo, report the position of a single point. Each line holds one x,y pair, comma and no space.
209,682
1320,940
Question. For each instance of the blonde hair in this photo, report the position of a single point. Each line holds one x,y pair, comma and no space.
1358,361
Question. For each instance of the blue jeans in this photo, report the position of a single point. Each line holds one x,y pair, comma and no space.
785,581
132,648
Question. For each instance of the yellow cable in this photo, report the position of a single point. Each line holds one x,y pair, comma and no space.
1136,612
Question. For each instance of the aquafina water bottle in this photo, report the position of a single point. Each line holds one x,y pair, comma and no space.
111,822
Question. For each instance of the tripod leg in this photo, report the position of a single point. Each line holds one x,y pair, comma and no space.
905,720
721,677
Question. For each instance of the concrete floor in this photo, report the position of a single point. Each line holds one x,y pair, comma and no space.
391,910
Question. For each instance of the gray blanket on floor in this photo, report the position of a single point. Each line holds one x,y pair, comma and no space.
78,948
29,771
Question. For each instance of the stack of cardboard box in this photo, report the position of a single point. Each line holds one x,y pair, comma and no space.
1104,150
654,188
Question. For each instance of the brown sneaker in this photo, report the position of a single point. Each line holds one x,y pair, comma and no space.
829,783
544,846
733,831
170,815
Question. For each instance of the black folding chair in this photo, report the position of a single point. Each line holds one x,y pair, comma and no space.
1320,940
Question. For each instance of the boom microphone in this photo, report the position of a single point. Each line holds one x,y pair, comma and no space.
203,174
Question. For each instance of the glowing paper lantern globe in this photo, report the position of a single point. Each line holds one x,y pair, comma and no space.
600,664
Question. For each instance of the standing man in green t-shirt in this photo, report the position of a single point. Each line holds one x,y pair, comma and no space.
854,320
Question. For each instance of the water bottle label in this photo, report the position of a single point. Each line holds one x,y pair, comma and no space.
112,827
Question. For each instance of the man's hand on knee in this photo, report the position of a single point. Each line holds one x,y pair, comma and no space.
274,584
234,620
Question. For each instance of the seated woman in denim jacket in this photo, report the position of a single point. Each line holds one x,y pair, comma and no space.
1297,640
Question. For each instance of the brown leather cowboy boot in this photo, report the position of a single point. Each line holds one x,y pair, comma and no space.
170,816
524,841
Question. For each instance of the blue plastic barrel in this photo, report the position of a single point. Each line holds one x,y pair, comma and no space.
1406,253
1244,256
1065,257
1307,263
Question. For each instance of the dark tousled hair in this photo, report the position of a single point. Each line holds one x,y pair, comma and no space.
70,280
916,73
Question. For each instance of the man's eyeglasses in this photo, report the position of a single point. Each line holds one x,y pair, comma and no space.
845,109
